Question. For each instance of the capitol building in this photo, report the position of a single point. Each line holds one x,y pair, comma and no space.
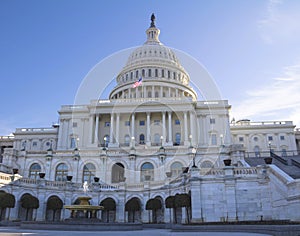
152,152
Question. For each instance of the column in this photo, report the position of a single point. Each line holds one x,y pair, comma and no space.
145,91
132,125
111,135
91,129
161,91
186,141
152,92
60,134
67,133
200,130
148,138
192,128
164,127
170,140
129,93
96,140
118,129
205,134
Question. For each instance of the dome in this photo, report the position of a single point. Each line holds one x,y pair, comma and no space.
154,65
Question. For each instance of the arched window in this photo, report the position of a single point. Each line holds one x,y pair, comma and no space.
169,74
61,172
89,171
162,73
117,173
34,171
142,139
147,172
156,94
177,138
131,75
143,73
156,139
156,72
126,140
176,169
257,151
137,74
206,164
149,72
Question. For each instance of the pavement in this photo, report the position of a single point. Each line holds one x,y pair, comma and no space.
11,231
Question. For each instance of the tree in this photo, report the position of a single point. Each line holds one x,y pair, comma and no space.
154,204
54,203
183,200
7,200
109,204
170,203
29,202
133,205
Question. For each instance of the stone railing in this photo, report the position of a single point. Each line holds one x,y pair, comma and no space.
34,130
236,171
266,123
6,138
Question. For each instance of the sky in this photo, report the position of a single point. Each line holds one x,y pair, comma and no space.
250,48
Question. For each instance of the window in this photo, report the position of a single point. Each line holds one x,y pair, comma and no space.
106,123
176,169
89,171
142,123
169,74
127,123
282,137
34,171
255,139
61,172
106,140
156,139
73,143
177,122
149,72
162,73
177,139
213,139
156,122
131,75
142,139
127,140
283,152
212,120
74,124
147,172
137,74
174,75
270,138
143,73
257,151
34,143
156,72
241,139
149,94
117,173
156,94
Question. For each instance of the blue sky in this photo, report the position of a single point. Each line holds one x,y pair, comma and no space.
251,48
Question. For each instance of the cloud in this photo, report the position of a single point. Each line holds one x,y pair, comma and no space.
279,100
281,22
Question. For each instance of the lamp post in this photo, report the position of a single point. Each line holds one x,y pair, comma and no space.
194,151
161,140
191,137
221,139
270,145
105,139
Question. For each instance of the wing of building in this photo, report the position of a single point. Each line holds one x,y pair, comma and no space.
153,138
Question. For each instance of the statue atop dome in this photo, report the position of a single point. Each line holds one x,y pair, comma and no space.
152,20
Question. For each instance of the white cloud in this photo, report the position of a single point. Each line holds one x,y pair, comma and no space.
281,22
280,100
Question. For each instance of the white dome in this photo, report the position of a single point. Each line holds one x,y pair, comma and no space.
155,64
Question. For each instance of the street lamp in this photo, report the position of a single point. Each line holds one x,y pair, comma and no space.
161,140
191,137
105,139
221,139
270,145
194,151
132,141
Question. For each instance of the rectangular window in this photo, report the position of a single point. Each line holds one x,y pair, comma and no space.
212,120
213,139
241,139
282,137
270,138
107,124
142,123
177,122
74,124
127,123
73,143
156,122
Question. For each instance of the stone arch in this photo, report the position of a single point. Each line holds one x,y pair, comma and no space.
109,211
27,207
133,207
54,208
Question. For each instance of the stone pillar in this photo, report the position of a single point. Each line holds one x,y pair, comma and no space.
118,129
200,131
230,194
91,129
96,129
196,201
186,141
192,129
120,210
132,125
41,211
148,136
205,133
164,127
111,135
60,134
170,139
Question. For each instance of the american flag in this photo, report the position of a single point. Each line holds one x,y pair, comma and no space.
137,83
